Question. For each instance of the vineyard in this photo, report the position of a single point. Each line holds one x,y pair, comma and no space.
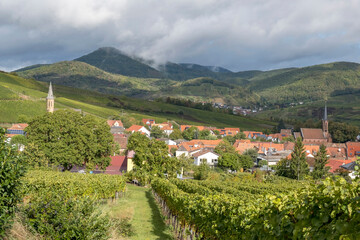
241,208
64,205
72,185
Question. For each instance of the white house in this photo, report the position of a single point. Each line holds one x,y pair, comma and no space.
138,128
205,156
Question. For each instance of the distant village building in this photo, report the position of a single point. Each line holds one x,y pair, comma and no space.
316,135
50,100
138,128
116,126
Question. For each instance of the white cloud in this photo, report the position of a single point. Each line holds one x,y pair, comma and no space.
241,35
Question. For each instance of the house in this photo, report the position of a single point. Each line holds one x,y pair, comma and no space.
336,151
188,147
116,126
229,131
16,129
117,165
274,157
122,140
138,128
353,149
206,156
130,164
184,127
252,134
166,127
351,168
313,135
335,164
148,122
316,135
263,147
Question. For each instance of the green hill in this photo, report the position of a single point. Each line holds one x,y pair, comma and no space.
211,90
82,75
27,97
309,83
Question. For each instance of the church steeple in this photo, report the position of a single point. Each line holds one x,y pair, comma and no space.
50,100
325,123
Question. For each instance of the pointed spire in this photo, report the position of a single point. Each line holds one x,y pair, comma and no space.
50,94
325,113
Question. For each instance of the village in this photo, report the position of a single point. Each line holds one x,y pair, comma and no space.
202,140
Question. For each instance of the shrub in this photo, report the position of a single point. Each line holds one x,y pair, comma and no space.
202,172
11,169
57,218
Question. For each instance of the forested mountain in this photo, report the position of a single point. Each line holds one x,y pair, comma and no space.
108,70
114,61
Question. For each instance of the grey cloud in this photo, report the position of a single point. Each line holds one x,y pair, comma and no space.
236,34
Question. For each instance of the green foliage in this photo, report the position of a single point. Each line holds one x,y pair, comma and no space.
202,171
11,169
252,153
231,159
18,140
57,218
69,139
321,159
190,133
152,156
156,132
262,163
328,210
72,185
343,132
298,165
176,134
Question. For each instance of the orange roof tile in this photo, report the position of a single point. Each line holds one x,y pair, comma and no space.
112,123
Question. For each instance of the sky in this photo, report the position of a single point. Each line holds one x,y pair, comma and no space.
235,34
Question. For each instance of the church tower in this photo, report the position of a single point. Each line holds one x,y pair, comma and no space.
325,123
50,100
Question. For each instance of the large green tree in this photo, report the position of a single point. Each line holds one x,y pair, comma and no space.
152,156
343,132
190,133
231,159
176,134
68,138
156,132
298,165
321,159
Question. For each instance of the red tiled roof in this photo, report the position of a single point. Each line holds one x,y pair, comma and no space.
18,126
148,121
198,144
312,133
134,128
242,145
335,164
111,123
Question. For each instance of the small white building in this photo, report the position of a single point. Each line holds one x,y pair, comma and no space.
206,156
138,128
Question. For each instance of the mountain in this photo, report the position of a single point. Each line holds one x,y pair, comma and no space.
113,60
82,75
218,69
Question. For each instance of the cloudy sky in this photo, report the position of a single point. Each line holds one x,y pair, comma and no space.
236,34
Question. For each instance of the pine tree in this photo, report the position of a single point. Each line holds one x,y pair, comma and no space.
321,159
298,164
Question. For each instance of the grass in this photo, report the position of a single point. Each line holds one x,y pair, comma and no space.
139,205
